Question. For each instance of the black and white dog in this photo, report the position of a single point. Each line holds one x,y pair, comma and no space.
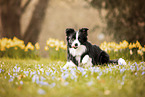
80,52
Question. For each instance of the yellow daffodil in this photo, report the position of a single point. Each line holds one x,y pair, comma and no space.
140,52
46,48
131,46
29,46
37,46
131,52
22,46
2,49
15,48
57,48
143,49
138,45
64,47
26,49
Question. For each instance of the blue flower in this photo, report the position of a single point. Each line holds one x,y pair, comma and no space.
47,73
41,92
98,77
64,76
53,77
21,82
136,73
122,83
38,72
90,83
122,70
83,73
1,70
52,85
123,78
66,83
26,72
39,66
100,73
42,78
143,73
86,75
43,83
11,79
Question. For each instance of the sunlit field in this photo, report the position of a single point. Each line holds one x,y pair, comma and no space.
23,73
28,78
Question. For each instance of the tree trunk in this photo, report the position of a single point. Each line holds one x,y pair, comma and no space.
11,13
34,28
10,18
1,28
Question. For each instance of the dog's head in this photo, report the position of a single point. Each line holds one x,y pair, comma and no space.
76,38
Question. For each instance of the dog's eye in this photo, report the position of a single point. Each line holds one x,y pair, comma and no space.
73,38
79,38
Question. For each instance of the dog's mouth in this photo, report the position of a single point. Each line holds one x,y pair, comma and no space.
75,47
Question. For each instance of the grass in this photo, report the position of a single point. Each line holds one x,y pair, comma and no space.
46,78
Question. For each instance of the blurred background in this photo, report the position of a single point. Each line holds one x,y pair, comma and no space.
107,20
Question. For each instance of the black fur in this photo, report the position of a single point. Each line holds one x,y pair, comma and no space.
98,56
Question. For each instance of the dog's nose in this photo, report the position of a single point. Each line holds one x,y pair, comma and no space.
76,44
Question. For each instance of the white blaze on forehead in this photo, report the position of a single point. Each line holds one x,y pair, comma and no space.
77,35
76,41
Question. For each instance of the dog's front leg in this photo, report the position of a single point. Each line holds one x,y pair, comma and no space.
69,64
87,61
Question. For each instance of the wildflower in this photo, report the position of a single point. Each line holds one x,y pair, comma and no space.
37,46
0,70
131,52
44,83
46,48
140,52
51,45
56,43
138,45
143,49
90,83
64,76
98,77
107,92
2,49
131,46
122,83
21,82
15,48
11,79
66,83
57,48
26,50
143,73
20,77
52,85
29,46
41,92
47,73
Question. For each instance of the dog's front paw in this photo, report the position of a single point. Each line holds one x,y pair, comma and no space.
121,61
85,59
69,64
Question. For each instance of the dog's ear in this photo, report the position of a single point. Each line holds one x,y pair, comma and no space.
84,31
69,31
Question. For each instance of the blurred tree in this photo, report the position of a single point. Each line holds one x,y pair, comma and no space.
10,14
125,18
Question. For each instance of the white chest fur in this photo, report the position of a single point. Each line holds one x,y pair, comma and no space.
77,52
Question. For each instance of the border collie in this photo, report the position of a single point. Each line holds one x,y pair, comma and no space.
80,52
